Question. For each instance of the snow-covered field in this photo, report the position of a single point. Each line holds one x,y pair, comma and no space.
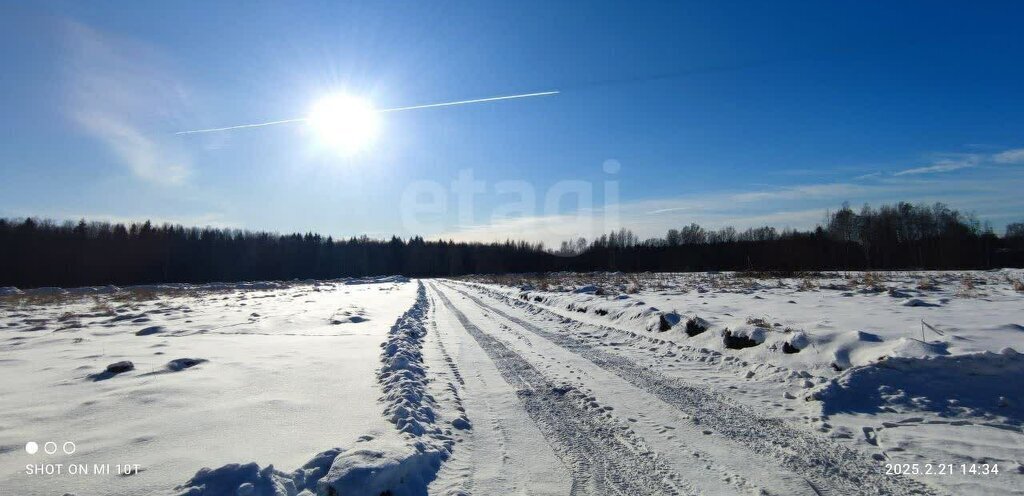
562,384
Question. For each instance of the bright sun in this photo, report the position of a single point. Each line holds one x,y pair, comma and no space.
344,123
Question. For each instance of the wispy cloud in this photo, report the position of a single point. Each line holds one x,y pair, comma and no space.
803,191
958,161
944,165
670,210
118,93
870,175
1015,156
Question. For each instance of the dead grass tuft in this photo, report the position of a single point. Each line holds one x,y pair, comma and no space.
806,284
1018,285
758,322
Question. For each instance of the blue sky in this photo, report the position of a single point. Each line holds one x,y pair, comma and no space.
720,113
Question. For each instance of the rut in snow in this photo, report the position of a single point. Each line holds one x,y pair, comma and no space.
602,455
824,463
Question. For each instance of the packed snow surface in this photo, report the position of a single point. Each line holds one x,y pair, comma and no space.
546,384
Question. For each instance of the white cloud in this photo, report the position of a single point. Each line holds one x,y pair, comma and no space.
944,165
550,229
1015,156
669,210
146,158
952,162
803,191
118,93
870,175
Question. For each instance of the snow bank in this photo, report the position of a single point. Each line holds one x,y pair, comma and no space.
785,325
240,479
45,291
375,280
975,385
398,471
249,479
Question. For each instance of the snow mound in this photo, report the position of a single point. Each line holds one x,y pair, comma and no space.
179,364
151,330
914,348
249,479
918,302
696,325
744,336
372,471
980,384
94,290
45,291
9,290
796,342
376,280
240,479
663,321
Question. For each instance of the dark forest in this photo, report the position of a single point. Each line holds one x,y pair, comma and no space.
36,253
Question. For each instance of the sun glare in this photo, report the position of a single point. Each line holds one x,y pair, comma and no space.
344,123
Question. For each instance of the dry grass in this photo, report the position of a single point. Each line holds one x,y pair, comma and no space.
968,287
101,307
634,285
758,322
607,282
1018,284
136,295
872,279
928,284
806,284
33,300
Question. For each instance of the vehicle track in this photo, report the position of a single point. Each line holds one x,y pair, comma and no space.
465,482
602,454
827,467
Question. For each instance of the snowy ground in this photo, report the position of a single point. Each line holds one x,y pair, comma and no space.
288,372
565,384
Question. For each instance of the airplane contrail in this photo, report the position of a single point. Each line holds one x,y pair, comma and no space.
396,109
242,126
463,102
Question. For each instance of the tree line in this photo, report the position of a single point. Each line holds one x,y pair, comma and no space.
35,253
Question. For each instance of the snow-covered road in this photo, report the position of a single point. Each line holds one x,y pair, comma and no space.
620,427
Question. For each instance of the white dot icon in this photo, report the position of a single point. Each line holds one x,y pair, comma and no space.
50,447
69,448
31,447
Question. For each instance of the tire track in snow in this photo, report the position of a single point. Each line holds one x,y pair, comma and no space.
826,466
602,455
463,466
